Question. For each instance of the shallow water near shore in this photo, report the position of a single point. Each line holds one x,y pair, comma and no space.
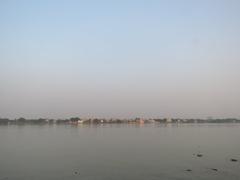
120,151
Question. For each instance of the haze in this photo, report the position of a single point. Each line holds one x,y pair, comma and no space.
121,58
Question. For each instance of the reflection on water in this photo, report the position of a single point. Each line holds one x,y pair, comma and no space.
120,151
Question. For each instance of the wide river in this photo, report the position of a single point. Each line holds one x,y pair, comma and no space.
120,151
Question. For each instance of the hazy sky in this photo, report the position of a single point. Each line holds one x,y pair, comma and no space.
122,58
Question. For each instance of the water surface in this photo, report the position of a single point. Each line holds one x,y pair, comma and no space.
120,151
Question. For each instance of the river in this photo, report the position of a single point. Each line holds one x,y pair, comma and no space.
120,151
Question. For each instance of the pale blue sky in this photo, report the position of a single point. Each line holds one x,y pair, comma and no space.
119,58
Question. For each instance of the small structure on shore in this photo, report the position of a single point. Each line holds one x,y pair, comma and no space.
169,120
139,121
80,121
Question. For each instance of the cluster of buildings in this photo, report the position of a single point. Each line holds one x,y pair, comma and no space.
117,121
146,121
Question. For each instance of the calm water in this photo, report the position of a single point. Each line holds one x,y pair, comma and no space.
150,152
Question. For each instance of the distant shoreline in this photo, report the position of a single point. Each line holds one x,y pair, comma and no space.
77,120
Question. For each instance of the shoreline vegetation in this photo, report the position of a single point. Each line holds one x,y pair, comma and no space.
77,120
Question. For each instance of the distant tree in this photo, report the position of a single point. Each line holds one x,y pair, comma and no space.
4,120
21,120
96,121
74,119
119,121
41,120
62,121
50,121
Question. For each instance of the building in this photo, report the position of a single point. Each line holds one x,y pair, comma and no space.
169,120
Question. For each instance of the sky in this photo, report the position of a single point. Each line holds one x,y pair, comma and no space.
119,59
